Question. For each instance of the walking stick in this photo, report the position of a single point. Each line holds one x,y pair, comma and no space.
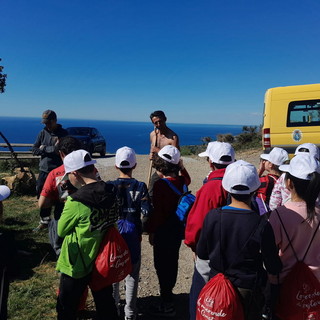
151,161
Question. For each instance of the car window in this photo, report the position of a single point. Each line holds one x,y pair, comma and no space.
79,131
304,113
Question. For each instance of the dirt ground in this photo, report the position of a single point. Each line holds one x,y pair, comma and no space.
148,292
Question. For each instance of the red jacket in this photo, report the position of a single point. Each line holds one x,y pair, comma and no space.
165,200
210,196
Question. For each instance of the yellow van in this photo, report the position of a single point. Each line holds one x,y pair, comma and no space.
291,117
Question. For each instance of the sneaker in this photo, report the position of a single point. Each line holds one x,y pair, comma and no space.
166,310
40,227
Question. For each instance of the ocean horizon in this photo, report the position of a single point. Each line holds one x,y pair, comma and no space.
116,133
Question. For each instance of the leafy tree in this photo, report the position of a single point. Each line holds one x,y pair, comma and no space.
3,78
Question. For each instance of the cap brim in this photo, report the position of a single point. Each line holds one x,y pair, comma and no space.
203,154
265,156
284,168
4,192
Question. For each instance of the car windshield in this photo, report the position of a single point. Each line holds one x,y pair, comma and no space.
79,131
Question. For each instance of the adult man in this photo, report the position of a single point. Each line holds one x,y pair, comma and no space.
161,136
45,146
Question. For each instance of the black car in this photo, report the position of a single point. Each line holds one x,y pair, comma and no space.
91,139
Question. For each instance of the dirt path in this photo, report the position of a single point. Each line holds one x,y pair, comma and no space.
148,287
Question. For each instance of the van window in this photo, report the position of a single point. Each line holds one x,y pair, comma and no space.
304,113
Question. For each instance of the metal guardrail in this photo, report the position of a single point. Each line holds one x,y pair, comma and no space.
6,154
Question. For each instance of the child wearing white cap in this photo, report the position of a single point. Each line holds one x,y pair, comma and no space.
211,195
226,233
270,162
165,229
134,204
87,215
280,194
5,257
299,217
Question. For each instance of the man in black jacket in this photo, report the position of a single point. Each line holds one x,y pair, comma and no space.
45,146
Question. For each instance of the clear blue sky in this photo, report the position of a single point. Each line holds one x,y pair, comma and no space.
199,61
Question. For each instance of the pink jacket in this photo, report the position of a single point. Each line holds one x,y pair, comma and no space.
293,215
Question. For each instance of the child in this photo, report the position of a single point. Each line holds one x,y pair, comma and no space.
210,196
55,191
87,214
134,202
300,217
238,242
6,260
270,162
280,194
165,228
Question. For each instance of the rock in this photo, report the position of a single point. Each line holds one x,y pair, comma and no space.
23,182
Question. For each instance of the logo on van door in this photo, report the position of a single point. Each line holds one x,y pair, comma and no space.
297,135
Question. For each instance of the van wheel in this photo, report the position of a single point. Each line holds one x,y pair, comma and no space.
103,152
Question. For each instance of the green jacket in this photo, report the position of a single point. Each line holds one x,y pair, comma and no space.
86,216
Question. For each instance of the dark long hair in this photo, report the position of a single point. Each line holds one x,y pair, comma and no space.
308,190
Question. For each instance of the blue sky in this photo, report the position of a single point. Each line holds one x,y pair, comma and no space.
199,61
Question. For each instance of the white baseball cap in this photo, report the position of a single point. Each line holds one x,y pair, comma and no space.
241,173
302,166
4,192
216,149
76,160
277,156
125,158
308,148
170,154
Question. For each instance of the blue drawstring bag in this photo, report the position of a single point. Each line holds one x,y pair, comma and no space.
132,237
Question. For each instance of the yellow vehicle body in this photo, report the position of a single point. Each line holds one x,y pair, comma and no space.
291,117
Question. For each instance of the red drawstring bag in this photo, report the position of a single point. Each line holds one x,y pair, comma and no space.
218,299
113,262
299,295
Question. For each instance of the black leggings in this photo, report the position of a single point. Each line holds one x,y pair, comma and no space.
71,290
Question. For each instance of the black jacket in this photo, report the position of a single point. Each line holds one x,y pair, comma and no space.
50,158
223,241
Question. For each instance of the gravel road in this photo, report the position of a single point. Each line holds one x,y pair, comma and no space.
148,293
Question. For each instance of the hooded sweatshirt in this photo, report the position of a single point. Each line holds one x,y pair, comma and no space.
50,158
85,218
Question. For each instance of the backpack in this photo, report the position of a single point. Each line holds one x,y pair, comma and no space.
299,297
113,262
185,202
267,184
219,298
126,227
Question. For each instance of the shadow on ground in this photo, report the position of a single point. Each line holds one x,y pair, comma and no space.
143,305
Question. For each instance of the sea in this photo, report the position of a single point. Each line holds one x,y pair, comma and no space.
116,133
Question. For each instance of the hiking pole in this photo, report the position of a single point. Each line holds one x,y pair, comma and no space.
151,161
13,154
